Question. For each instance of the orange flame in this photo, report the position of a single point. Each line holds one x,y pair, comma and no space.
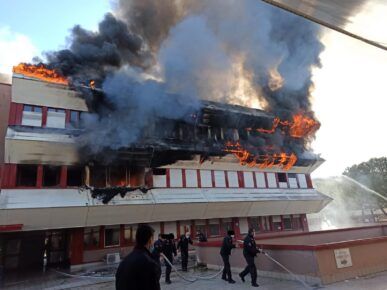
283,160
301,126
40,72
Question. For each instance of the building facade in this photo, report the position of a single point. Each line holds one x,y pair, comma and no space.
50,213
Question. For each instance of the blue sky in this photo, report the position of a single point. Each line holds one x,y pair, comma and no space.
47,22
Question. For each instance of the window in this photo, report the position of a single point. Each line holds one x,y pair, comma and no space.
112,236
200,225
56,118
296,222
287,222
226,225
130,233
51,175
75,176
118,176
254,223
214,227
91,237
292,180
159,171
74,119
282,177
32,116
98,176
266,223
277,223
26,175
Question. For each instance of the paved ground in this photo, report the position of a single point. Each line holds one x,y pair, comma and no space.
55,281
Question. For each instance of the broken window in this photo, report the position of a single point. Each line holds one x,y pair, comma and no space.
51,175
32,116
254,223
137,176
118,176
91,237
26,175
98,176
112,236
287,222
75,176
282,177
56,118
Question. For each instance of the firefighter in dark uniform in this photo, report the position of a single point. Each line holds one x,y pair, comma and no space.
225,252
183,246
250,251
169,250
158,248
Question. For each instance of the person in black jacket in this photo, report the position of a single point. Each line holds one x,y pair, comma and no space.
183,246
139,271
169,250
158,248
250,251
225,252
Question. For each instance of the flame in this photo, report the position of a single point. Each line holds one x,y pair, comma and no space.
282,160
300,127
40,72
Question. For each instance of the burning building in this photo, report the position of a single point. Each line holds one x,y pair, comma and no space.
96,143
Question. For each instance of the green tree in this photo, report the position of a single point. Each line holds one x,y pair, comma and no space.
372,174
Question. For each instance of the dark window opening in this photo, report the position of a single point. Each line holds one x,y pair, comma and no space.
282,177
254,223
51,175
214,230
266,224
26,175
292,175
137,176
27,108
118,176
98,176
277,223
287,222
226,225
75,176
91,237
37,109
112,236
159,171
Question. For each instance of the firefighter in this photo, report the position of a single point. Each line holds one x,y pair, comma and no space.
250,251
139,270
183,246
158,248
225,252
169,250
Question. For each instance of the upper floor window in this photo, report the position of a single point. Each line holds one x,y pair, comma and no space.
75,176
51,175
32,116
56,118
75,119
26,175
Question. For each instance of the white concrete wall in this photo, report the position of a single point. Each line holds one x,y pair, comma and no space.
175,178
191,178
248,179
220,178
206,178
232,179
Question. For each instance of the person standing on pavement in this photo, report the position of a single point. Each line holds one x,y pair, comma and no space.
183,246
250,251
225,252
139,270
169,251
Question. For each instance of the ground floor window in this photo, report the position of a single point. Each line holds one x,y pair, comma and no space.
255,223
227,225
91,237
266,223
130,233
213,227
287,222
112,236
277,223
296,222
26,175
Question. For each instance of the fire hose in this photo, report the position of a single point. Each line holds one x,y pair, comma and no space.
192,278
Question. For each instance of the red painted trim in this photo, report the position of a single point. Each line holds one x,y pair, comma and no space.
199,178
44,116
266,180
276,179
255,180
308,181
168,178
241,181
213,178
12,114
39,177
8,176
8,228
184,178
63,177
162,227
226,179
236,227
76,246
102,237
178,229
67,118
282,223
19,114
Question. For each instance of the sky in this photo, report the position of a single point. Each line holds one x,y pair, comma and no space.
350,89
